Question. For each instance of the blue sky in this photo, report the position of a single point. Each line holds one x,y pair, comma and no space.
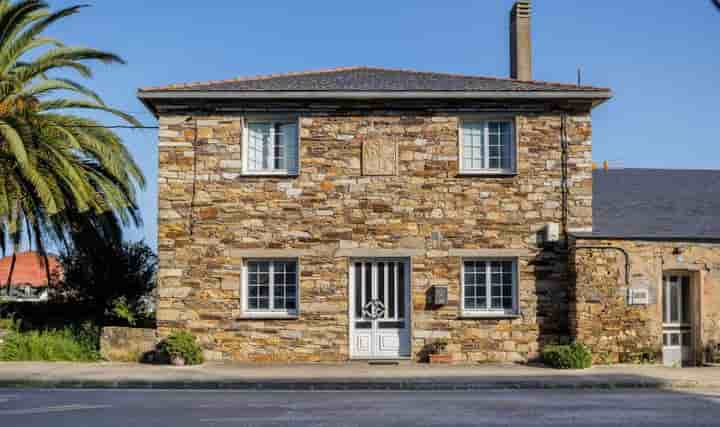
659,57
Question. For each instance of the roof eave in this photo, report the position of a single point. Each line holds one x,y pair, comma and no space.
362,95
646,237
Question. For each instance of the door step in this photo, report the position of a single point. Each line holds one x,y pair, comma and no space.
383,362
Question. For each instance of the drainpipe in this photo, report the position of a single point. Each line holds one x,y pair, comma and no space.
564,188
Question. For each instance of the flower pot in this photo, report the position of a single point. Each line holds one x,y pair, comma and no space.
177,361
441,358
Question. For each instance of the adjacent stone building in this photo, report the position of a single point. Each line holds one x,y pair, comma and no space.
646,281
369,213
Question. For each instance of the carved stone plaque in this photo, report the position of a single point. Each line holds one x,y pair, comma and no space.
379,157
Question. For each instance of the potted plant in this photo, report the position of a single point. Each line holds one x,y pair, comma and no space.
712,354
438,352
180,349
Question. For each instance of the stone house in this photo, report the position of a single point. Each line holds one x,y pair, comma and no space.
367,213
648,276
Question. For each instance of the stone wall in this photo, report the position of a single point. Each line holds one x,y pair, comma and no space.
600,315
124,344
331,205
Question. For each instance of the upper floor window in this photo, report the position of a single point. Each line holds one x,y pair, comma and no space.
487,146
270,147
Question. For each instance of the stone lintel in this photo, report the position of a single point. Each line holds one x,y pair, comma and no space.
489,253
673,266
375,252
271,253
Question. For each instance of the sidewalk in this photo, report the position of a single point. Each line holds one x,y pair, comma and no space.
349,376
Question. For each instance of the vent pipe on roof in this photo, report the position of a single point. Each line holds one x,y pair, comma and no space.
520,41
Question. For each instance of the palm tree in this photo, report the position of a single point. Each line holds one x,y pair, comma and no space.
58,169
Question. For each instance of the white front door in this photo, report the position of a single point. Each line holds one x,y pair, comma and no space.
677,329
379,308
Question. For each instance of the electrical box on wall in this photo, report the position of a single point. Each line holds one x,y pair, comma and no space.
638,296
438,295
552,232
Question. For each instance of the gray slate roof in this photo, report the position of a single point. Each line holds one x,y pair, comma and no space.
371,79
656,203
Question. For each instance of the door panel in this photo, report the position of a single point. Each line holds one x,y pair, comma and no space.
378,303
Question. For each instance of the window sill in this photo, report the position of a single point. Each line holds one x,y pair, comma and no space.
489,174
267,316
472,316
269,175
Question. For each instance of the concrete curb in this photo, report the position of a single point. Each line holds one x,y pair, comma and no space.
352,385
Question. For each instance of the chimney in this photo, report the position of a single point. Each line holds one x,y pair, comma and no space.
520,41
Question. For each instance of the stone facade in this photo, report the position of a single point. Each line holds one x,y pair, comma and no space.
122,344
600,315
419,203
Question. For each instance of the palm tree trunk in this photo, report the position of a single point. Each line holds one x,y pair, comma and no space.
10,273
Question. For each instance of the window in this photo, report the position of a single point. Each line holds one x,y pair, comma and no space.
489,287
271,286
487,147
271,148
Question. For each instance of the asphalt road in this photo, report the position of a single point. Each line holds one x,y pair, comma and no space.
128,408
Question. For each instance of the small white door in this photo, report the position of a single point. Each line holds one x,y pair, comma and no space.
677,326
379,309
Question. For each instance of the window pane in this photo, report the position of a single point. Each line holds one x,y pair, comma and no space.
506,145
473,145
685,289
401,290
358,290
288,140
674,301
499,145
381,282
675,338
685,339
258,145
278,157
391,290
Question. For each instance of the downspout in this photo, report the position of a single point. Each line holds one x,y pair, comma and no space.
191,221
564,177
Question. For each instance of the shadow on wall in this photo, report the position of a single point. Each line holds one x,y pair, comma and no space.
552,289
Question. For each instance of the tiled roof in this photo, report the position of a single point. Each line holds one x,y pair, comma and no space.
370,79
656,203
29,269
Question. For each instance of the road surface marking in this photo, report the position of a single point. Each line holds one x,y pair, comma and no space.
49,409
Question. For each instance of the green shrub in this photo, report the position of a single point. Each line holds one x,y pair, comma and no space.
182,344
573,356
8,324
50,345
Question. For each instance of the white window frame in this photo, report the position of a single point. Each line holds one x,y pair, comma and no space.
272,122
270,312
486,146
490,312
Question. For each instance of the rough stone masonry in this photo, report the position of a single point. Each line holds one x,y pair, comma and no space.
331,205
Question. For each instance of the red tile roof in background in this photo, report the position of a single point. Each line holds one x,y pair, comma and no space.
29,269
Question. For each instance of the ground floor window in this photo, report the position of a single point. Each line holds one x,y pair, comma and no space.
271,286
489,287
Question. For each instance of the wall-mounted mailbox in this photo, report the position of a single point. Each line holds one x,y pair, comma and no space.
438,295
